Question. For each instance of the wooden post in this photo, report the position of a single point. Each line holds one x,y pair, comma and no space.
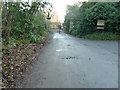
48,23
71,24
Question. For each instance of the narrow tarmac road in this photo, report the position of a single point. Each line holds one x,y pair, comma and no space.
70,62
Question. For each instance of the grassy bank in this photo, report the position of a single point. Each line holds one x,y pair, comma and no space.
102,36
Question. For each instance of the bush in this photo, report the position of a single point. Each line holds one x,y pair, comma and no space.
84,18
24,23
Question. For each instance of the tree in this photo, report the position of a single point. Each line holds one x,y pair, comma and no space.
85,17
19,20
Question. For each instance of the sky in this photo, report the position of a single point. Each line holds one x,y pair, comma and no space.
60,7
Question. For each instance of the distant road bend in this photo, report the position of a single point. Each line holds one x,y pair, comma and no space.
70,62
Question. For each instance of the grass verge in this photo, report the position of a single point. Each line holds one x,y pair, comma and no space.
103,36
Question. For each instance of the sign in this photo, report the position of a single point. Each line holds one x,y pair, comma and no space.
100,24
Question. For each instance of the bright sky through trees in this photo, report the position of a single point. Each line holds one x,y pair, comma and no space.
60,6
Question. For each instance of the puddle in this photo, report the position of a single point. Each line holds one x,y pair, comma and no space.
56,36
59,50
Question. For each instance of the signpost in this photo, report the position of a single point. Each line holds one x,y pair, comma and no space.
71,24
48,23
100,24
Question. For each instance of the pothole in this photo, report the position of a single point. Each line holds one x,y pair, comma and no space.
114,53
70,57
68,45
85,44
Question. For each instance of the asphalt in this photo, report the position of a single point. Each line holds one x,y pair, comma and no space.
71,62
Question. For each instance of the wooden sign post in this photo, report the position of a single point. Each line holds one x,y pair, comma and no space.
100,24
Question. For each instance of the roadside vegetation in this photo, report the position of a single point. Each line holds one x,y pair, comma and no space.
81,20
24,30
102,36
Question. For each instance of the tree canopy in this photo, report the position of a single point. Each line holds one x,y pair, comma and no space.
24,22
84,17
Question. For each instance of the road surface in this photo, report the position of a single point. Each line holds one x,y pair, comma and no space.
70,62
